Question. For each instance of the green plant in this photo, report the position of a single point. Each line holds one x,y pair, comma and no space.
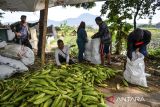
154,52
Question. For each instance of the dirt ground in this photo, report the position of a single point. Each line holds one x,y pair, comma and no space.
150,96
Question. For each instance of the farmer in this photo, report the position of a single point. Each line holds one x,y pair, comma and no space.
105,38
81,40
21,30
138,41
62,54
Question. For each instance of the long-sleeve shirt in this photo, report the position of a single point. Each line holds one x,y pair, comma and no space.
130,45
103,31
64,53
132,41
18,27
82,36
147,37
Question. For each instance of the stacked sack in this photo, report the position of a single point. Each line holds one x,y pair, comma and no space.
14,58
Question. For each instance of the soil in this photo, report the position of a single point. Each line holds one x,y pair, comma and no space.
117,89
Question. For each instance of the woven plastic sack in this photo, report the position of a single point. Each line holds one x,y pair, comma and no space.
135,70
18,65
6,71
19,52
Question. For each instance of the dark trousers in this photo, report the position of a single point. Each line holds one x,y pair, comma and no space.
24,42
81,49
62,59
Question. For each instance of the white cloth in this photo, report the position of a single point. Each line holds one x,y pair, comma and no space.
64,52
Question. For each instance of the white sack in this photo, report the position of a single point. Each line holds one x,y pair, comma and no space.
87,53
18,65
6,71
34,38
27,56
3,44
96,59
19,52
11,51
88,46
95,55
92,51
135,70
11,35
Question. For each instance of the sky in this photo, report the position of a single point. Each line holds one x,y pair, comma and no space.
60,13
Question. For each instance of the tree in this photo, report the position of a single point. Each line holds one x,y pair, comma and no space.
64,27
158,4
141,9
119,10
135,8
116,20
87,5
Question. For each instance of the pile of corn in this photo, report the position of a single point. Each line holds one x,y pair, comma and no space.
70,86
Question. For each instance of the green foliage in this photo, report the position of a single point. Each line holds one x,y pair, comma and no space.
146,7
65,28
155,52
58,28
116,20
142,9
88,5
119,33
158,5
146,26
129,9
118,11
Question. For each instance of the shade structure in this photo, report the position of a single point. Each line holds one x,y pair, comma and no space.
35,5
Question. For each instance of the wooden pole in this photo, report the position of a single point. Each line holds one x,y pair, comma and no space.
42,33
